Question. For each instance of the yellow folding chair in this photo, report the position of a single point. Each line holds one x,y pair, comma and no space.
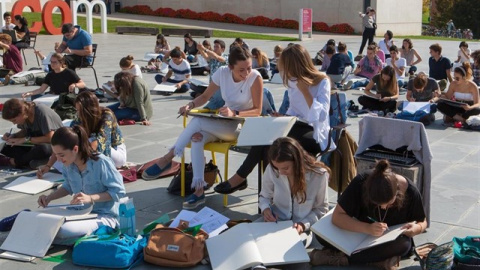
213,147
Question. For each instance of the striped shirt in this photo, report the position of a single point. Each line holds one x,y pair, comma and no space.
180,71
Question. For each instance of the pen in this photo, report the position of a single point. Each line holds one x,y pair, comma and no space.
273,214
10,133
371,219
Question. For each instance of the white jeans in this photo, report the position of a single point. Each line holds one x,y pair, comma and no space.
119,155
72,230
212,130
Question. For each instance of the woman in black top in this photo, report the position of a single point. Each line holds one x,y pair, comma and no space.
60,79
190,48
23,34
386,95
372,203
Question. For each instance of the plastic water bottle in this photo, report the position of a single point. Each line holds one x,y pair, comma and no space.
127,216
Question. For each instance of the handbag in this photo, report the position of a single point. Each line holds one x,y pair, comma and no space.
129,174
433,257
210,175
108,248
175,247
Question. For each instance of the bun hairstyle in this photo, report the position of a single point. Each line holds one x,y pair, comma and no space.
381,186
68,138
126,62
238,53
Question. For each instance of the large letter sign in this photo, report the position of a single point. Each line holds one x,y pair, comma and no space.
69,15
89,8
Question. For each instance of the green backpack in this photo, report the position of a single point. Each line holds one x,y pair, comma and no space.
65,106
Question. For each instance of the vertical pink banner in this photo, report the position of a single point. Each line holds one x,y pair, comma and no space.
307,20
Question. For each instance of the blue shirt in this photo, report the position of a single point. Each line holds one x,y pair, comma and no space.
98,177
79,41
338,62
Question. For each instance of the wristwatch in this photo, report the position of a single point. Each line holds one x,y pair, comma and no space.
237,113
28,139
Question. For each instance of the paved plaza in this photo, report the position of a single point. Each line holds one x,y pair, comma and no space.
455,205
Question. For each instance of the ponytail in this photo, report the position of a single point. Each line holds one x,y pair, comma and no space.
68,138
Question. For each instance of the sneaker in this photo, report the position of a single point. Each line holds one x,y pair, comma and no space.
6,224
358,58
193,201
348,85
5,161
328,257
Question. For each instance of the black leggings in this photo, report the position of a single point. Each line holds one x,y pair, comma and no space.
399,247
301,132
368,33
377,105
451,111
24,154
74,61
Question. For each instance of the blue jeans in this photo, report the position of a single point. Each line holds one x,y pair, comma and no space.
358,84
285,104
183,89
190,58
216,101
124,113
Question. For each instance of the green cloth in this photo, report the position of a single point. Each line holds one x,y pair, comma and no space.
140,99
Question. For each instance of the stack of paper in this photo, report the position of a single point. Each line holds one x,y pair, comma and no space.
212,222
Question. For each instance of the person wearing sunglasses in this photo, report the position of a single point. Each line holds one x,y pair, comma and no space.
372,203
462,89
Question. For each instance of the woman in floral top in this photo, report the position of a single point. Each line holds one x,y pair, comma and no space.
104,133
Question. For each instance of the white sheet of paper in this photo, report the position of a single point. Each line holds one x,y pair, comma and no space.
413,107
33,185
32,233
149,56
185,215
23,73
69,213
46,61
209,218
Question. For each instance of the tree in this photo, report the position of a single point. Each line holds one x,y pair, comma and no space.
443,12
426,6
465,14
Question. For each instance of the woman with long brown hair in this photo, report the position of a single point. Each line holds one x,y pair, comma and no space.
134,95
385,99
294,186
371,204
260,62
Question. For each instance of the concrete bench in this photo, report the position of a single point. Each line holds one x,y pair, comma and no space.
137,30
207,33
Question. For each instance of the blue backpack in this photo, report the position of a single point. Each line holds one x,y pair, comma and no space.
108,248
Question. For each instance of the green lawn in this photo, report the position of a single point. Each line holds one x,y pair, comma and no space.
112,24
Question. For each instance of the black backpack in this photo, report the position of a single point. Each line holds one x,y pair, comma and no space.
65,106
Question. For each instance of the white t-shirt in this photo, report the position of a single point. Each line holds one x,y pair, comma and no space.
180,71
8,27
401,62
383,46
463,58
237,95
135,70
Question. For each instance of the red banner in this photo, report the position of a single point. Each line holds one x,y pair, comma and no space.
307,20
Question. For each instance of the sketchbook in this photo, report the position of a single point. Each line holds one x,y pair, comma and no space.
452,102
351,242
210,220
372,97
164,88
215,116
33,185
32,233
250,244
149,56
271,128
71,213
47,100
198,82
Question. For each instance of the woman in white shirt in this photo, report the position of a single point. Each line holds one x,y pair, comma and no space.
126,64
242,90
309,98
463,53
294,187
